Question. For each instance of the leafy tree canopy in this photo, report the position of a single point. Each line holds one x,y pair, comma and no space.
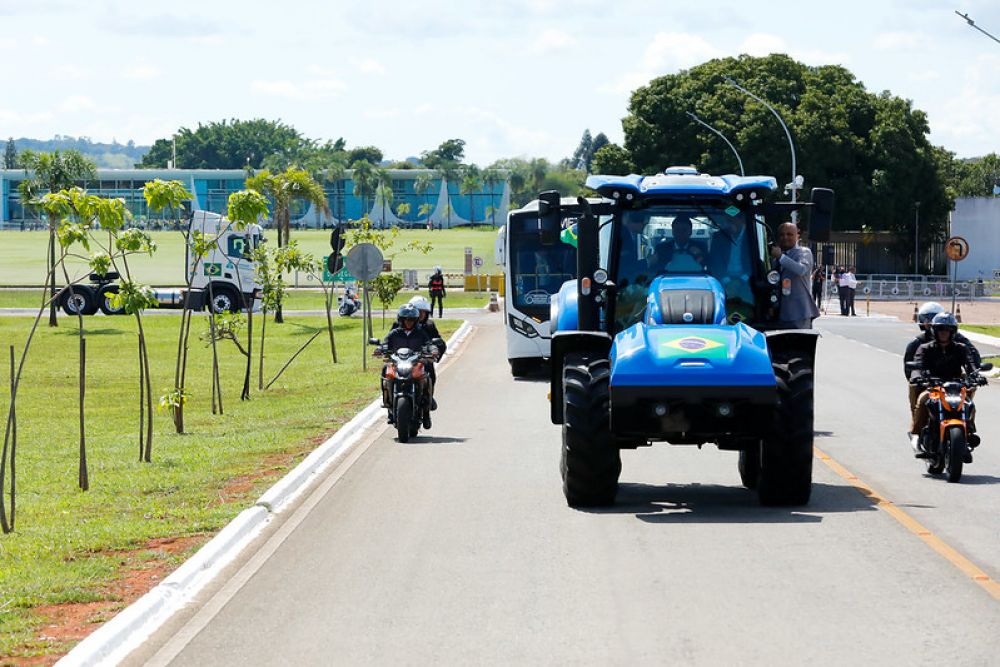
451,152
978,177
232,144
872,149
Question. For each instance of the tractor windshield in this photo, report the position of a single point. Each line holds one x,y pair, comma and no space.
685,239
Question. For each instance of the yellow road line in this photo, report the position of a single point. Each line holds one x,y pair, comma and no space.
966,566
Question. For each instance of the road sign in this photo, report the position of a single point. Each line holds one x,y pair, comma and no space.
364,261
477,261
956,248
341,276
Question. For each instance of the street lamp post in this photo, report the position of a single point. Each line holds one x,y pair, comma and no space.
791,145
916,238
723,137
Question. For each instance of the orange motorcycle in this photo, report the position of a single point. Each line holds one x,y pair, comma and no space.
945,442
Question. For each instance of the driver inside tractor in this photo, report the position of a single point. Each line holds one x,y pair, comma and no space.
683,239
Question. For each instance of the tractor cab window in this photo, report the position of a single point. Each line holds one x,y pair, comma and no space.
684,240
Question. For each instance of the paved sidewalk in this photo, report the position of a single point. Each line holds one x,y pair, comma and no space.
975,312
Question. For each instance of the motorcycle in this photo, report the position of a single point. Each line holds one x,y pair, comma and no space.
945,442
406,387
349,303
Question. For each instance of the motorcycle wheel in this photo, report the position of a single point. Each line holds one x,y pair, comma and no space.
404,418
956,453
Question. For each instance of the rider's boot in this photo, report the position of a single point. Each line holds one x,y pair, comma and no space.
389,418
427,419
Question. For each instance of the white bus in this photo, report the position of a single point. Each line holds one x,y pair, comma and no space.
535,263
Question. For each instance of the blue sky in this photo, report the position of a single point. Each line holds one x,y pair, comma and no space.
511,77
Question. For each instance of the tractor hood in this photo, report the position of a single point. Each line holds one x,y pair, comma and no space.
690,356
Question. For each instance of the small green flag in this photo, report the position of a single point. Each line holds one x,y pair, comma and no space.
568,236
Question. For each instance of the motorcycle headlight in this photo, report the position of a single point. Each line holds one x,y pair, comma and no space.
953,401
404,368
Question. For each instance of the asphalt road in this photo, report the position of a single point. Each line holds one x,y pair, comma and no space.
458,548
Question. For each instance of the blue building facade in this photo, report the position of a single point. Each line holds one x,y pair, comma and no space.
443,204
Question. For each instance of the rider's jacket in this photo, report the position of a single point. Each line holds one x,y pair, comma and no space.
945,362
911,349
436,284
399,338
432,332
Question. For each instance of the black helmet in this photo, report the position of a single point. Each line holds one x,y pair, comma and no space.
944,322
928,311
408,311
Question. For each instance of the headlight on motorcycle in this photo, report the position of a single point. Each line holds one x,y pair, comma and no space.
404,368
953,401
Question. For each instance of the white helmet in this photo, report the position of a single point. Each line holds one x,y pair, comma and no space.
928,311
421,303
437,269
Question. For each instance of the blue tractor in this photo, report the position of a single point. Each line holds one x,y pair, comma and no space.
669,333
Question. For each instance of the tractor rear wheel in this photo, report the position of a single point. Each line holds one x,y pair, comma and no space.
787,451
591,461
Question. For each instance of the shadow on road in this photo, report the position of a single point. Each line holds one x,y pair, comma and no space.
435,440
972,479
701,503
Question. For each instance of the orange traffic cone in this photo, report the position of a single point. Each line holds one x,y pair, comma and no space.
958,313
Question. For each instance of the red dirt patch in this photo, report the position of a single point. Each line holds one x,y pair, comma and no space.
69,623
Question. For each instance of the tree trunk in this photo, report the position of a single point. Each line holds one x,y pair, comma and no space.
53,321
84,477
260,364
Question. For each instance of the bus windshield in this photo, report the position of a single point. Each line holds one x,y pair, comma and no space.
686,239
537,272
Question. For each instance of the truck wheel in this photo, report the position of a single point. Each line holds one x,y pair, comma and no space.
787,451
591,462
523,367
750,466
104,303
224,300
80,301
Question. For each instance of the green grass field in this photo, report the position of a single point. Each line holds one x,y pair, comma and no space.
302,299
22,254
69,543
988,329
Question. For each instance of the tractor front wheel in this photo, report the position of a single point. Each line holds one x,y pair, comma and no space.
591,461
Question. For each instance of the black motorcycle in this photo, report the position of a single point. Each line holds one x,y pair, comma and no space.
945,442
349,303
406,387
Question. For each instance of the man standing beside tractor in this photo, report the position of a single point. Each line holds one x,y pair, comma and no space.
795,265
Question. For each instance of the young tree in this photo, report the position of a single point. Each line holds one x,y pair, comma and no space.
51,172
387,286
10,155
424,184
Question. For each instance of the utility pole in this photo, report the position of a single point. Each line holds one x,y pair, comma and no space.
916,239
973,25
795,183
723,137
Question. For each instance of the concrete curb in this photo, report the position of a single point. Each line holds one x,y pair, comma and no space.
114,640
984,339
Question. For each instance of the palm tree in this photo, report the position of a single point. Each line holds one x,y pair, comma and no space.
491,176
383,193
425,182
471,184
365,181
52,172
449,172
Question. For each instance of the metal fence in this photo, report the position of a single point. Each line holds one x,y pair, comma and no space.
903,287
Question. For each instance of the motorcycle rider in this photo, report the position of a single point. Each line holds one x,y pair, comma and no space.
946,359
408,334
924,316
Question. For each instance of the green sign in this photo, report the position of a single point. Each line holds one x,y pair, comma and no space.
213,268
342,276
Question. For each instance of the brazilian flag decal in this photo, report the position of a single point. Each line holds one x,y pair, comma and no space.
213,269
696,346
568,236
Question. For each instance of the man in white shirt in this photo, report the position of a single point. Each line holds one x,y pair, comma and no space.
850,281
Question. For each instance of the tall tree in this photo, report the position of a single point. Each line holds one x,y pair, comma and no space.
383,193
979,177
450,151
365,181
582,154
872,149
232,144
424,184
48,173
10,155
472,182
370,154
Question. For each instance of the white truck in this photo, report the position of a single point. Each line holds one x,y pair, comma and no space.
225,279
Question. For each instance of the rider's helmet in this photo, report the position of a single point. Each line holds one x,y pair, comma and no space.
437,269
927,313
408,312
944,322
421,303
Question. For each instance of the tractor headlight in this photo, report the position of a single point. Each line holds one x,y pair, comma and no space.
600,276
773,277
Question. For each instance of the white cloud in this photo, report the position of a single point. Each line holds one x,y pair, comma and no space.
668,52
898,41
371,66
77,103
964,121
763,44
316,89
552,41
142,72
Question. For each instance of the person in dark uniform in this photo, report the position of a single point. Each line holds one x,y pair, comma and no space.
436,288
925,316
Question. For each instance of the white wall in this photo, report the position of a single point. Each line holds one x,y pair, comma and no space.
977,220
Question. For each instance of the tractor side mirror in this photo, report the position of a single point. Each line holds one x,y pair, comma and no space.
821,218
548,217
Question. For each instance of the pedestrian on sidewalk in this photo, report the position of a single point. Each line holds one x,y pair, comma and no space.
851,282
838,277
819,280
436,288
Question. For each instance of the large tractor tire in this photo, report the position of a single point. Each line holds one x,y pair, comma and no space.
750,466
591,461
786,455
81,301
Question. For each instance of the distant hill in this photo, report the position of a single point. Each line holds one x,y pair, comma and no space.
106,156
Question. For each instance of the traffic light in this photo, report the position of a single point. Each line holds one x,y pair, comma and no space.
336,260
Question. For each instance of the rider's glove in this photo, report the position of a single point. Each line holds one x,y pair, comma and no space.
981,380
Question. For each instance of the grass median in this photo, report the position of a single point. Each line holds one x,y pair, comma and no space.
296,299
90,552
